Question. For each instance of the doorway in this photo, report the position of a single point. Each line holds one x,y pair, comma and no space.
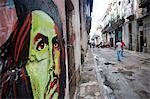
130,35
141,41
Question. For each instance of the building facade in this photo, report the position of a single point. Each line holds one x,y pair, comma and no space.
125,19
144,23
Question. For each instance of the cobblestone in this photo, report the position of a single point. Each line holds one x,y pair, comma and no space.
128,79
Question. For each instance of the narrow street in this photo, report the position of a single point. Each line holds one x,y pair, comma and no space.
128,79
64,49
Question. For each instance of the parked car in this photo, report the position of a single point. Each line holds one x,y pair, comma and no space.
104,45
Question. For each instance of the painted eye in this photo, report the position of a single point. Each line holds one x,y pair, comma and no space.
41,45
40,42
56,45
55,42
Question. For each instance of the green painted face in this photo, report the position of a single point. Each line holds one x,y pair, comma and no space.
44,57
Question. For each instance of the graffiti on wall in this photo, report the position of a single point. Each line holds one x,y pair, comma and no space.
32,59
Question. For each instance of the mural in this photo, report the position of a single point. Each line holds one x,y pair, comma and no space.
32,59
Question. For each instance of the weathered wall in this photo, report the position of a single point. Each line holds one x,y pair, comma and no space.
62,12
146,26
134,35
76,31
33,56
31,51
125,34
61,8
84,34
7,20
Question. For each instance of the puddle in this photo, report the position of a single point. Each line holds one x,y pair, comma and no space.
115,72
143,94
90,69
108,63
128,73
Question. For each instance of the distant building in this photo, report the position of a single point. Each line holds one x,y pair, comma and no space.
144,26
124,20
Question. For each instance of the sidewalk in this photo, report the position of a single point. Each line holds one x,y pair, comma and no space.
88,85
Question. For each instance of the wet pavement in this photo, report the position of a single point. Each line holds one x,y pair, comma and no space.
128,79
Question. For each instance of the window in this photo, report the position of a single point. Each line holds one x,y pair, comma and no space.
119,2
129,1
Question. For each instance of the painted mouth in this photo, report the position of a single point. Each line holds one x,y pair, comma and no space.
53,83
54,88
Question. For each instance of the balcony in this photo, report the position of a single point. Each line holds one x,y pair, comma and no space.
112,25
143,3
104,30
129,11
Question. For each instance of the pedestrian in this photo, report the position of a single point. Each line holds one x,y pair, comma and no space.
122,46
118,49
92,44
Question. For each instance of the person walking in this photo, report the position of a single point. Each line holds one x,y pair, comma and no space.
119,50
122,46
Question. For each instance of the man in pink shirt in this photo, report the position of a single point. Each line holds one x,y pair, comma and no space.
122,46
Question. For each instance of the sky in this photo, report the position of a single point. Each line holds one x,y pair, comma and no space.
99,8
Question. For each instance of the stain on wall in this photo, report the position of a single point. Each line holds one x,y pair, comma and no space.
33,58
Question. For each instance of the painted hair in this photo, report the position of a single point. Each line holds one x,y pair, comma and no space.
14,56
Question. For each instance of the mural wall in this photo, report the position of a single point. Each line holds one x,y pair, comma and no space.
32,58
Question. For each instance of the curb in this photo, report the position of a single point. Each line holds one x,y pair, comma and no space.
99,78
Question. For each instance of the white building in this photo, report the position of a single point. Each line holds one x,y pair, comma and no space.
120,23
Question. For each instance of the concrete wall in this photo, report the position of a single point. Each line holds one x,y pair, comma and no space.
75,75
134,35
146,26
125,35
83,31
84,34
76,31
